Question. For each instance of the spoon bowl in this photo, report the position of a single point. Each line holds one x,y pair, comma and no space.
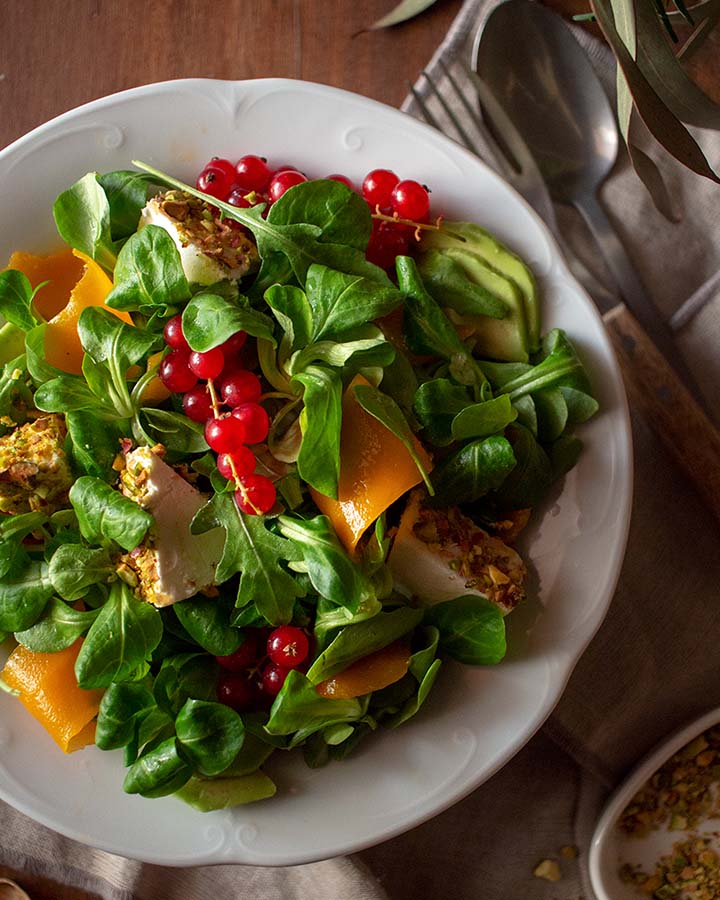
547,85
543,79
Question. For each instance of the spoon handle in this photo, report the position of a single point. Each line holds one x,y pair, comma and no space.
686,433
631,287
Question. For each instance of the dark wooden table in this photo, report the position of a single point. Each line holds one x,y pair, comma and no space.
56,56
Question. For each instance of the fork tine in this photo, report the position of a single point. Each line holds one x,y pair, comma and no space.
466,139
424,108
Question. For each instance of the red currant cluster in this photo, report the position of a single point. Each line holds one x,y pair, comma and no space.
398,206
221,393
256,671
393,199
247,182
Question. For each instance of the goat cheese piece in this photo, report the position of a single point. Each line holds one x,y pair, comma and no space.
172,564
438,555
211,249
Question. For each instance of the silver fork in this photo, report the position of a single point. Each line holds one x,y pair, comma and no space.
515,163
510,155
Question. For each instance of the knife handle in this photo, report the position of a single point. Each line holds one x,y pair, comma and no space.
667,406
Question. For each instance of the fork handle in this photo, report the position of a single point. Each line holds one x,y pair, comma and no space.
656,392
631,287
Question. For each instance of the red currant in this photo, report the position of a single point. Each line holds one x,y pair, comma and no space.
245,655
273,678
283,181
173,334
342,179
237,197
256,496
241,387
217,178
237,690
208,364
252,173
410,200
197,404
377,187
255,421
225,435
234,344
387,241
174,372
288,646
242,458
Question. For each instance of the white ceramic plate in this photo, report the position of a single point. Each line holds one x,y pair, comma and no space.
476,719
611,849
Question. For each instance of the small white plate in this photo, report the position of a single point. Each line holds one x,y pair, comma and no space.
476,719
610,848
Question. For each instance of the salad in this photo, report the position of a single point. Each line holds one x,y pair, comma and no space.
266,446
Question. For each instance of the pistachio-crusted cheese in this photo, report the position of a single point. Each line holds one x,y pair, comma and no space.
34,471
440,554
211,249
172,564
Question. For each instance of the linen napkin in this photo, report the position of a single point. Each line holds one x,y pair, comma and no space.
650,667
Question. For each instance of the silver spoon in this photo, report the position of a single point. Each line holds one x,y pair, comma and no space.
542,77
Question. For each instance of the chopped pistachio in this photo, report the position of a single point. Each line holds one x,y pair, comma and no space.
548,869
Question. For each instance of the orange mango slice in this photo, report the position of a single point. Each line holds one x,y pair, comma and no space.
61,270
375,470
50,692
371,673
62,341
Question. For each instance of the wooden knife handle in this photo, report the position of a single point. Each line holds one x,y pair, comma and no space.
667,406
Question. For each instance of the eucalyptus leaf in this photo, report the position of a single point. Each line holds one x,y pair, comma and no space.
406,9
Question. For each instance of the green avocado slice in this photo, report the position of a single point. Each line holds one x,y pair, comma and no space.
502,339
498,257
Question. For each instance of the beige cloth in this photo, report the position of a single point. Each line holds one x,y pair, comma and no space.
651,666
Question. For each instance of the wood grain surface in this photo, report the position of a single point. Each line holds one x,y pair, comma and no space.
57,55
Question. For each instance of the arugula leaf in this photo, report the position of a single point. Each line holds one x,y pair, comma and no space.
472,630
106,515
332,573
57,628
210,319
123,636
255,552
389,414
82,216
318,461
149,276
16,296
